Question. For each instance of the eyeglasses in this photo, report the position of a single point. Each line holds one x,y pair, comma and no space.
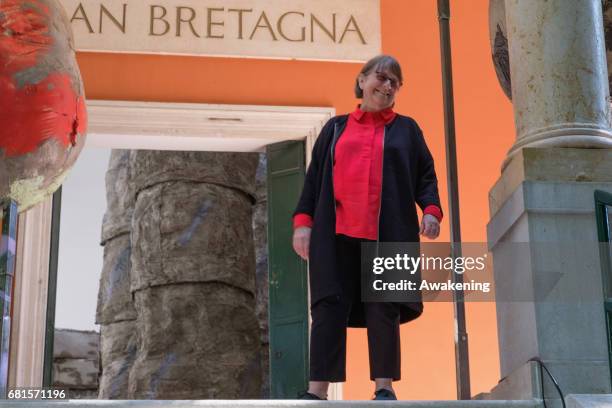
382,77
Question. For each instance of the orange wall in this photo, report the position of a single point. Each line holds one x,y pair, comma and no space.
484,127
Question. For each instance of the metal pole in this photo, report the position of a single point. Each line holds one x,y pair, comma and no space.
462,363
8,246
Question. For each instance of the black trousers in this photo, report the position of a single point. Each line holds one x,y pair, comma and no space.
330,319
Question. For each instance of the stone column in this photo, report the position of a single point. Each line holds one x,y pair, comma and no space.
542,231
559,74
262,296
193,276
115,313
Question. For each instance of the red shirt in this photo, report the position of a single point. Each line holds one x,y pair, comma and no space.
357,175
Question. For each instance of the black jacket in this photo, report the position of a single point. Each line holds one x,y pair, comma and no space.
408,178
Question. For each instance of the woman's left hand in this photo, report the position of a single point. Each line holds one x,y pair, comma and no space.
430,227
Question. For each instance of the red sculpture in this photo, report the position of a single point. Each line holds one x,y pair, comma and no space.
43,118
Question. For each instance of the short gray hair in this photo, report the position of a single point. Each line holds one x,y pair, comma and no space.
379,62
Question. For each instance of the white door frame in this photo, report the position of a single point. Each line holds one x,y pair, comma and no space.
152,126
189,126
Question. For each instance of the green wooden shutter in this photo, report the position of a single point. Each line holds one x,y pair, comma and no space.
288,307
603,214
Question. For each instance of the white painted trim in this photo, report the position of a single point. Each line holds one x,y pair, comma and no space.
188,126
27,344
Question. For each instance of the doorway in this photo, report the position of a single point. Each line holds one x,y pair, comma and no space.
170,126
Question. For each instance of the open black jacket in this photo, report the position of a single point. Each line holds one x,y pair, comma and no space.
408,178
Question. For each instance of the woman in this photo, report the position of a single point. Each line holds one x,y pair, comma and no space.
368,170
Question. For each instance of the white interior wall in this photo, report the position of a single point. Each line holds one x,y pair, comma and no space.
80,253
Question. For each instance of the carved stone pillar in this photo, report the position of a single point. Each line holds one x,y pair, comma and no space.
559,75
542,231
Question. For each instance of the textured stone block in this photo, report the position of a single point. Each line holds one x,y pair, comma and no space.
76,344
229,169
196,341
114,296
192,232
75,373
117,354
120,196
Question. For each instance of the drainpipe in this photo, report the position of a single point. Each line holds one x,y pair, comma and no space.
462,363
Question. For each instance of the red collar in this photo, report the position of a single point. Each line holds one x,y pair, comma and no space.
381,117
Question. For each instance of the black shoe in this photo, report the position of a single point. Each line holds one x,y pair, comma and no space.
309,396
384,394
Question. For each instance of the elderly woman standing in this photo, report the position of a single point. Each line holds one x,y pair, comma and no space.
368,170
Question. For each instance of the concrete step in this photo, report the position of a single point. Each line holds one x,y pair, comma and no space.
267,403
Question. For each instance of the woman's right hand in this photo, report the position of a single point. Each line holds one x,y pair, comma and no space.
301,241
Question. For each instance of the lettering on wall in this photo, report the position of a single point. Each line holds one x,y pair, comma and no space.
342,30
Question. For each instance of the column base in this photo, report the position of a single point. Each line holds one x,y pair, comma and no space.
550,300
566,135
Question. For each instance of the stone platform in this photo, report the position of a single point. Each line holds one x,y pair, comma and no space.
268,403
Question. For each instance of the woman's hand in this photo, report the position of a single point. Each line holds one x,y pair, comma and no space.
430,227
301,241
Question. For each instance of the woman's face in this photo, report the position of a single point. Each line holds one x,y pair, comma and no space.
379,88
